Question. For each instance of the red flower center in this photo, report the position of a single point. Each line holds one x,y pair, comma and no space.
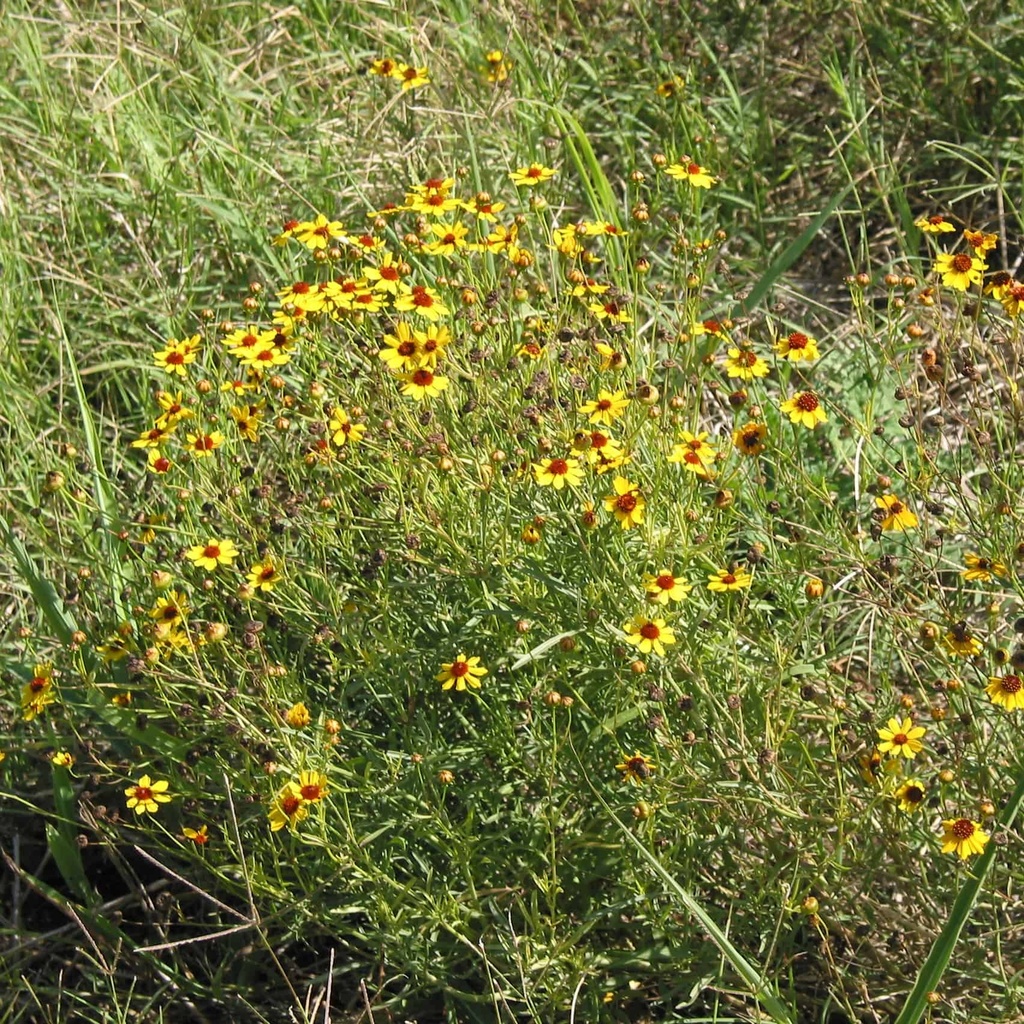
534,172
962,263
626,503
364,297
728,578
895,508
807,401
649,631
449,239
434,184
205,443
598,440
611,308
691,458
666,581
899,739
323,231
289,225
143,793
712,326
963,828
311,791
459,669
176,358
751,438
693,168
1011,684
267,572
746,358
162,464
797,340
423,378
603,404
913,794
290,804
937,219
389,273
430,346
300,288
211,551
421,297
558,467
407,348
38,684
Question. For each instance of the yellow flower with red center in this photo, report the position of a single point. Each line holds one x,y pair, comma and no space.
199,836
805,409
722,580
1006,691
532,175
749,439
461,673
312,786
177,356
959,270
671,87
343,429
934,225
212,554
153,437
959,641
963,837
626,503
980,241
173,409
982,569
649,636
264,575
745,365
158,463
423,301
449,238
636,769
412,77
611,311
288,808
694,453
1012,298
401,352
797,347
692,173
663,587
606,408
901,738
248,419
558,472
146,795
422,384
305,297
202,446
897,515
319,233
62,759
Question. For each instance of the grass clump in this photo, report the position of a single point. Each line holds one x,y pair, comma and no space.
499,590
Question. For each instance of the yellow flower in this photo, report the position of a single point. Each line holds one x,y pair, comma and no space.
312,786
959,641
212,554
636,769
199,836
177,356
288,808
343,429
202,446
610,310
422,384
460,673
694,453
649,635
805,409
671,87
722,579
264,575
745,365
934,225
318,233
62,759
982,569
697,176
663,587
145,796
910,795
901,739
627,503
979,241
297,716
412,77
1006,691
532,175
959,270
558,472
796,347
963,837
749,439
606,408
897,515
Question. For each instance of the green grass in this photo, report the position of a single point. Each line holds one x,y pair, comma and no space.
479,857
